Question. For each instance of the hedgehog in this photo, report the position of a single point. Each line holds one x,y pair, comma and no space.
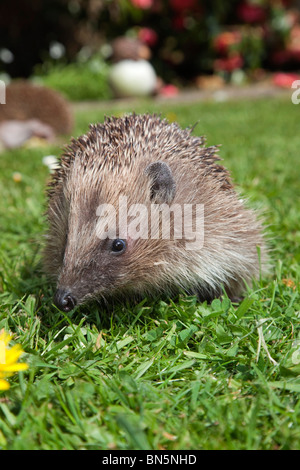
26,101
141,207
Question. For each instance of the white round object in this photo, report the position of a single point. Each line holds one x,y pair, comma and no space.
133,78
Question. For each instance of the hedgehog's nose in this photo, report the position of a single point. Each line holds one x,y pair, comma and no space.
64,300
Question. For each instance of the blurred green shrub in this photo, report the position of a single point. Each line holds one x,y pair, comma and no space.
77,81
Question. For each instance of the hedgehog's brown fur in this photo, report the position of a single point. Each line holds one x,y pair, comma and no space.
109,161
25,101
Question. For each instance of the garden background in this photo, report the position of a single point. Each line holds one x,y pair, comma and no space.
233,40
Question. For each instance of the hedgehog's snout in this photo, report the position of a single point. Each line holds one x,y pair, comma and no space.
64,300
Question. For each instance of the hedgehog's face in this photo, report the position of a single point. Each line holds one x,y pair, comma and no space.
100,258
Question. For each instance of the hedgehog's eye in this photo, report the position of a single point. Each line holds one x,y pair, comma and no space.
118,246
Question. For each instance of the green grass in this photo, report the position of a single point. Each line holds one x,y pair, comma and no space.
162,374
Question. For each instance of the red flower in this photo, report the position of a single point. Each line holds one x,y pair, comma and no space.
148,36
250,13
285,80
169,90
143,4
229,64
280,57
181,5
178,22
224,40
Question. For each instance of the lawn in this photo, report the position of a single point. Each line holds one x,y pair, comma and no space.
164,373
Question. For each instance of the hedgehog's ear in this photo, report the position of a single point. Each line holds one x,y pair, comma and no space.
163,186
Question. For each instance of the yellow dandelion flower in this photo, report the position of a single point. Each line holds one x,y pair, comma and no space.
8,359
289,283
17,177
